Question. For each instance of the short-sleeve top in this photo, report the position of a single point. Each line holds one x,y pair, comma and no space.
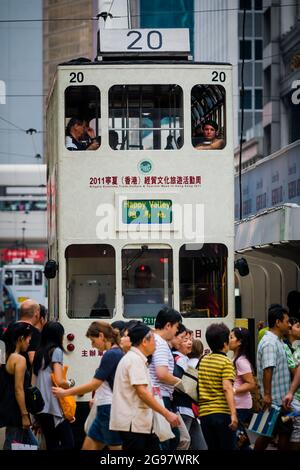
242,366
162,356
106,372
44,383
271,353
213,369
128,411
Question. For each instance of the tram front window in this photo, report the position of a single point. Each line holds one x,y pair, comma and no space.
23,278
8,278
208,116
203,280
91,281
147,281
146,117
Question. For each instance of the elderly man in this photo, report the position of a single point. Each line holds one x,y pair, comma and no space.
133,402
30,312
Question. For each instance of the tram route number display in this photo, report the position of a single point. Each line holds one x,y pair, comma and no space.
144,40
152,211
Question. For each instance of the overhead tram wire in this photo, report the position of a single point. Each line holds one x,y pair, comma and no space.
30,130
161,12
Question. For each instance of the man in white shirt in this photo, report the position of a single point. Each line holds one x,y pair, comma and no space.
133,402
162,364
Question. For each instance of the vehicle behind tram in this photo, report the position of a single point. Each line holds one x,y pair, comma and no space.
140,188
19,282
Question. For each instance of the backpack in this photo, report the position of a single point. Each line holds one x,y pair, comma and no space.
67,404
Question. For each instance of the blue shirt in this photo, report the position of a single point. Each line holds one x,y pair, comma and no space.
108,365
271,353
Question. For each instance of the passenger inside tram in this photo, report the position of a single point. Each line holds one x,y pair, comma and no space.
143,293
209,139
113,139
78,136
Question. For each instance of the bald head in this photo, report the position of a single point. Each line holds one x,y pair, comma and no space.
30,311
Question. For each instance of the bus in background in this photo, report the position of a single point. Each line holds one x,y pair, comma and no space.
140,188
19,282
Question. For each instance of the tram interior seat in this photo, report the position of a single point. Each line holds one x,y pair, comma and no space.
100,313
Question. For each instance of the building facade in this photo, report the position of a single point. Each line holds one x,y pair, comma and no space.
21,90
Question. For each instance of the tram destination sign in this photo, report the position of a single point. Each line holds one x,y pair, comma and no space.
144,40
147,211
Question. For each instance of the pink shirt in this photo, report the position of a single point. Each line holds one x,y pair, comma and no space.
242,400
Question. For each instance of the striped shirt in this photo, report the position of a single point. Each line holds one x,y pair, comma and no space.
213,369
271,353
162,356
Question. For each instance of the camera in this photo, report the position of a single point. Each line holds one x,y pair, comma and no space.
96,139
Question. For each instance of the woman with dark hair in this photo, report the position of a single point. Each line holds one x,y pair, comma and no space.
106,339
239,342
49,359
15,378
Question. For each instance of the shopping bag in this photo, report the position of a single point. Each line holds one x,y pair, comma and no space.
263,423
20,446
161,427
24,440
90,418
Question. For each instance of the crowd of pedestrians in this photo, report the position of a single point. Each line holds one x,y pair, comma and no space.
142,376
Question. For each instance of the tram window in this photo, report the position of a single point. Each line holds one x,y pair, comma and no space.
23,278
8,278
38,278
203,280
146,117
91,281
147,281
208,116
82,118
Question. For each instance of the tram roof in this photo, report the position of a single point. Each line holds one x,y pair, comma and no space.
274,226
134,61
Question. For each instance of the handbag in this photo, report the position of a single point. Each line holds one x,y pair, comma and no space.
34,400
161,427
257,399
189,383
90,417
67,404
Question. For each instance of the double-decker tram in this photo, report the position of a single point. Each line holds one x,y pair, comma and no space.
140,186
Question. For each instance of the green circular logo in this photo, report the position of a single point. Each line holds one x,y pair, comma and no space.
145,166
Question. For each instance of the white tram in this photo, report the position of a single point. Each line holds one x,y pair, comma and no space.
141,201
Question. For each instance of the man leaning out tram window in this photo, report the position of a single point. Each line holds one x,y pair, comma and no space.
79,136
209,139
